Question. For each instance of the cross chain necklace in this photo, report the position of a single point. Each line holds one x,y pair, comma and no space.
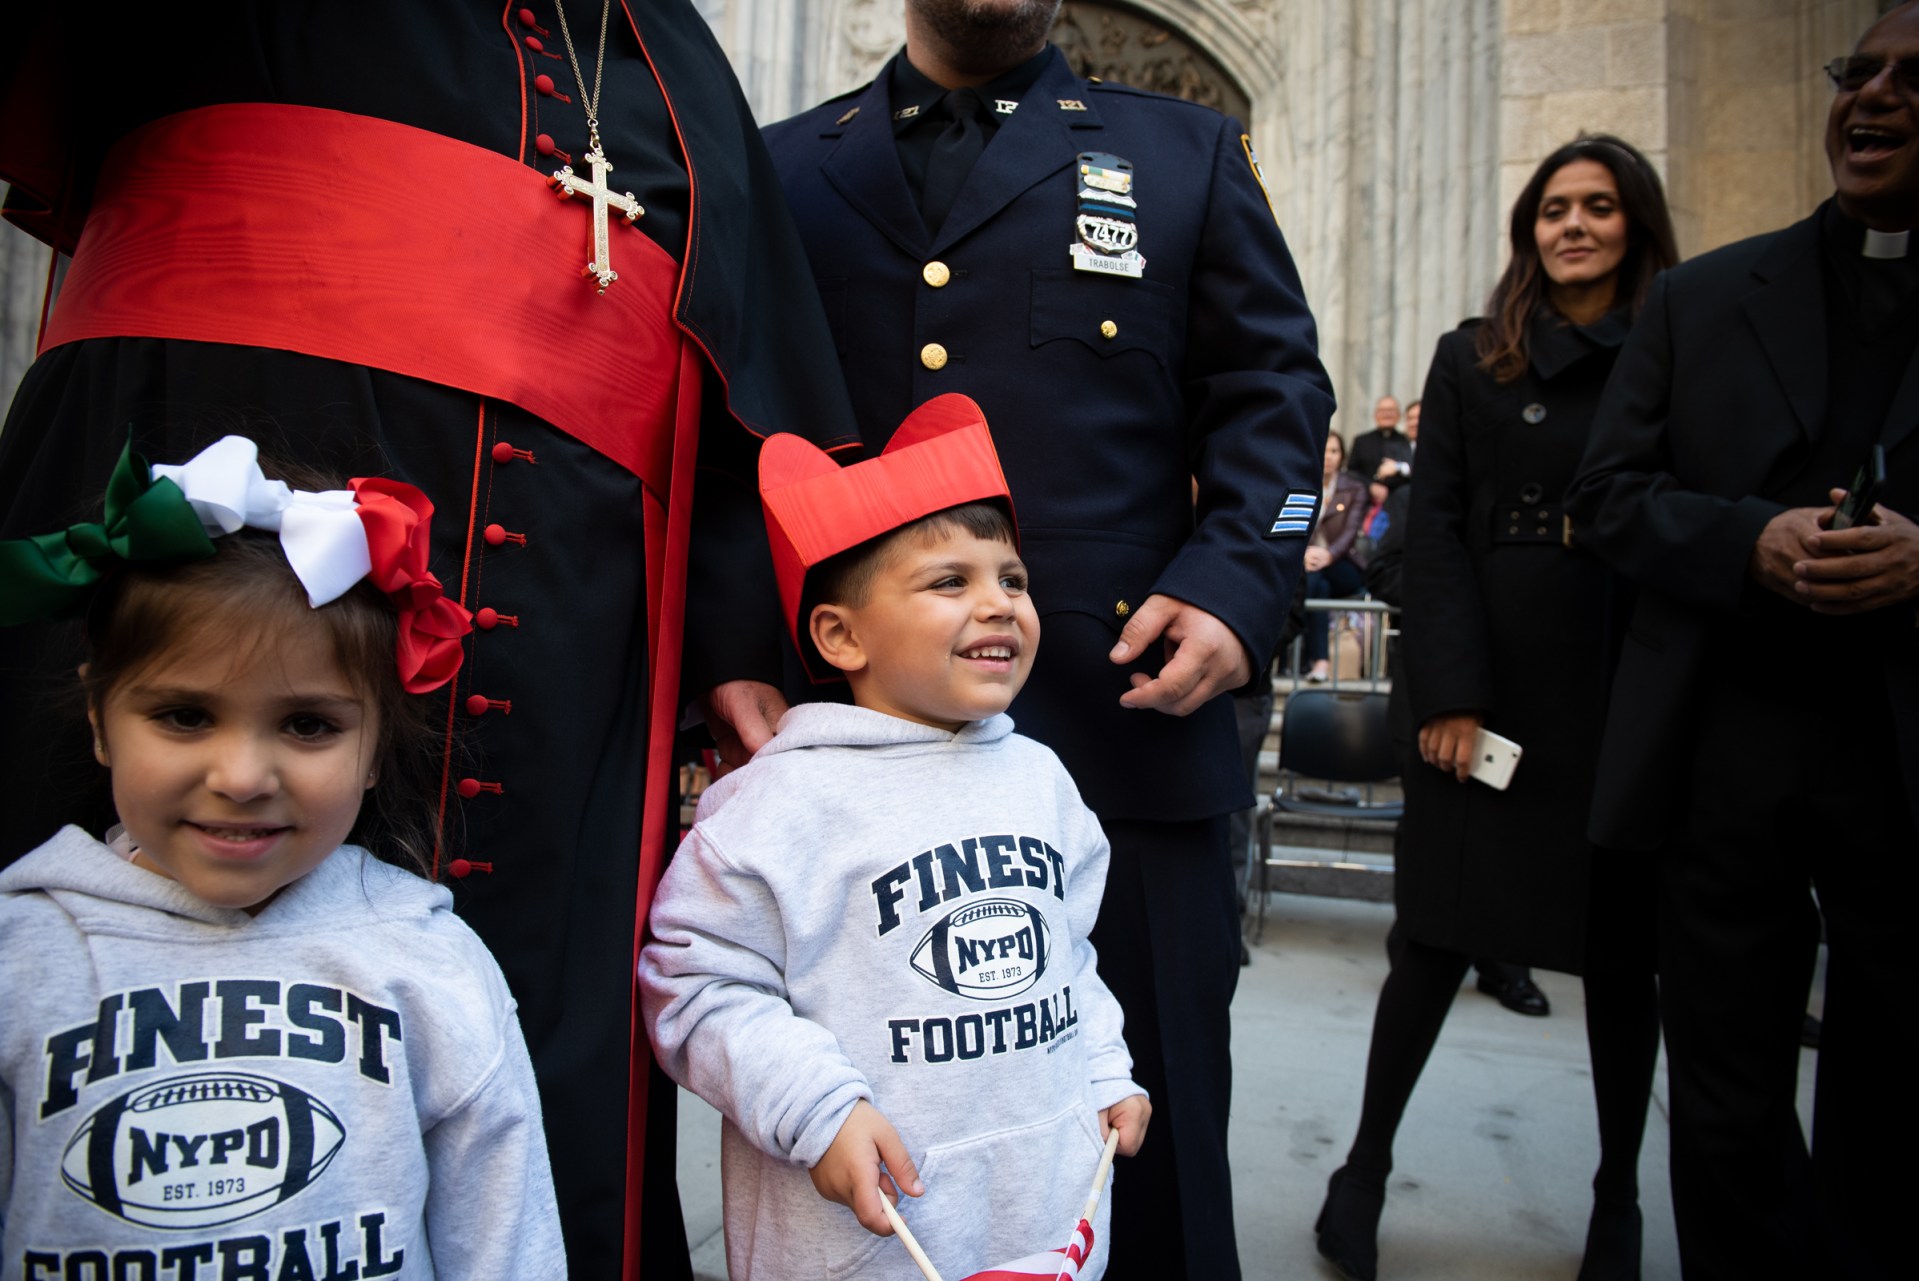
567,184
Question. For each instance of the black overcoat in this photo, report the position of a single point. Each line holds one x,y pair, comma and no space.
1503,618
1720,396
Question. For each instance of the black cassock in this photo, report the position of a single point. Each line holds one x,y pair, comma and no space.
558,783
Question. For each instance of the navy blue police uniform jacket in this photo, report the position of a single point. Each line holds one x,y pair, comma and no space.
1107,396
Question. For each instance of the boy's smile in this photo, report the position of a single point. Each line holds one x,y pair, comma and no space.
946,632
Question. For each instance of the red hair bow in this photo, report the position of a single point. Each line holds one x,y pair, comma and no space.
396,516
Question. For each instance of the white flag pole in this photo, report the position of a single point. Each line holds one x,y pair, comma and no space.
1099,1176
905,1235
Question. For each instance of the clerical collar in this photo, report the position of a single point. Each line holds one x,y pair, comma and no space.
914,95
1886,244
1847,237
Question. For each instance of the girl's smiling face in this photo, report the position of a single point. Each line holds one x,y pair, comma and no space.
237,773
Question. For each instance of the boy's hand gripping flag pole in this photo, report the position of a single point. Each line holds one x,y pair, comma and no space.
1053,1265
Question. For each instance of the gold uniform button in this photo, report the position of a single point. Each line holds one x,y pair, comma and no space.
1108,329
1122,609
936,274
933,356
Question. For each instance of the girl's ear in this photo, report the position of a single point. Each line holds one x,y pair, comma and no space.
99,734
832,633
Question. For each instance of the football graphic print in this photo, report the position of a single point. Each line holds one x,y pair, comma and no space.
987,950
195,1151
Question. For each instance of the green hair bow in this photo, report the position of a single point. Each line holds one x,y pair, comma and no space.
53,575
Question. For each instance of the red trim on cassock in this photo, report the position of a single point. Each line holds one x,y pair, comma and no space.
204,228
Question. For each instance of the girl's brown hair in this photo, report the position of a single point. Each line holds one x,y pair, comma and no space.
242,600
1501,342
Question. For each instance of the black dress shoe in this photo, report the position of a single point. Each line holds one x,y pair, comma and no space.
1520,995
1612,1244
1348,1225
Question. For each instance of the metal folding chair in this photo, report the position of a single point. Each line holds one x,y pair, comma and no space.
1338,736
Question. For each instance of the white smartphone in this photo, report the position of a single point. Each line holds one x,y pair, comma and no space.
1494,759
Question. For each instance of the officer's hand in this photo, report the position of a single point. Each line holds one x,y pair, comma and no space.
1317,558
1203,656
1784,543
851,1174
742,716
1866,567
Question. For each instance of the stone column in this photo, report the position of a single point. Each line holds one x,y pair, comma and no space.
23,280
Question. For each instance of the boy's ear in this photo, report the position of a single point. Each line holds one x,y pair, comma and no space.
832,633
93,719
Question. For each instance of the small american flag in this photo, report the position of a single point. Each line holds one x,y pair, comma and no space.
1053,1265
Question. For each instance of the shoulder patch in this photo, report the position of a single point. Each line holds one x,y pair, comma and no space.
1296,514
1252,162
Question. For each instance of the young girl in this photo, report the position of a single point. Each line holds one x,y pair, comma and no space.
232,1043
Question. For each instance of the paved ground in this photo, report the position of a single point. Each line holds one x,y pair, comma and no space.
1494,1159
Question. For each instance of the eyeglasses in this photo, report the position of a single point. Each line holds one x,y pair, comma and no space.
1850,75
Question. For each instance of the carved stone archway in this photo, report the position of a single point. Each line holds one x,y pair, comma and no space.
1120,43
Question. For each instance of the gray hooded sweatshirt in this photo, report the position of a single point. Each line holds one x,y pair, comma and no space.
334,1088
877,909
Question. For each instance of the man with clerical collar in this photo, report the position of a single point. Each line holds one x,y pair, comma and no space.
1385,453
1101,270
1763,737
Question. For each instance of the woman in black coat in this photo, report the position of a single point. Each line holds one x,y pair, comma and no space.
1507,626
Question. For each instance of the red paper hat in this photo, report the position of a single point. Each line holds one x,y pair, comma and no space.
940,457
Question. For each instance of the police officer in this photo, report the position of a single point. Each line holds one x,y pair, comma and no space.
1101,270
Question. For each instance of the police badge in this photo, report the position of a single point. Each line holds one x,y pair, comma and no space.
1107,224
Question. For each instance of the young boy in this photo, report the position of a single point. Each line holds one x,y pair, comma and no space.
872,949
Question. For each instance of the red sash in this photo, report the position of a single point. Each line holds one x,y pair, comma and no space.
379,244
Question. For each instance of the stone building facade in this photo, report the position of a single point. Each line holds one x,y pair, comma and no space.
1393,134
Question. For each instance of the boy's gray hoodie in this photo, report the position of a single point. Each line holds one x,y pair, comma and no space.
877,909
336,1087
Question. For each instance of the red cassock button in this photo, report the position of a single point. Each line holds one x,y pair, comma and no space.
476,705
526,17
468,787
487,618
544,84
494,535
533,43
543,143
503,453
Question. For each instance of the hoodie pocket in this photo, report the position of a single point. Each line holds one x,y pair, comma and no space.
997,1196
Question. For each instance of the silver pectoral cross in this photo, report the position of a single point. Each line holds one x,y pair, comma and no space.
566,184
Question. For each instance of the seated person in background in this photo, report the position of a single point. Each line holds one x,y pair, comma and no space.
1330,570
1374,524
917,992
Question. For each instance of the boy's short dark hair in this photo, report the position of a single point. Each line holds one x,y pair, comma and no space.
846,578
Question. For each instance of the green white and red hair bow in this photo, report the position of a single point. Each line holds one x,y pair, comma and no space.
169,514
